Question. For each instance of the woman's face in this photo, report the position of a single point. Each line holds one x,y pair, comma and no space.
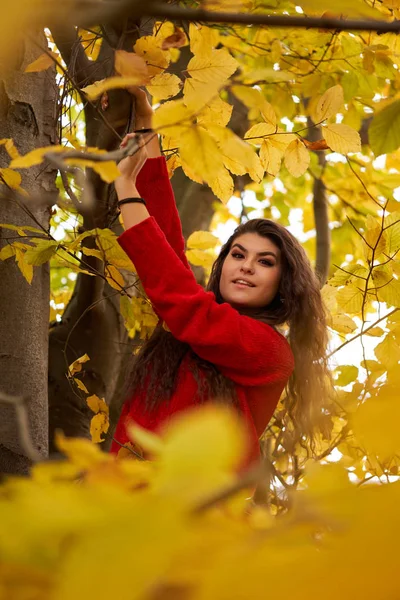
251,272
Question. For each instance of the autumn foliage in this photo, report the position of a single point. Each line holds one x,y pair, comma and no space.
318,105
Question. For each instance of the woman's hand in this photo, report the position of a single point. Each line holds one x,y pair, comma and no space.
143,108
125,185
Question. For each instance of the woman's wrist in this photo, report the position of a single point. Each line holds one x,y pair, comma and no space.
126,188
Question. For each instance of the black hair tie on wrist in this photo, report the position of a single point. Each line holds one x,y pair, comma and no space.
144,130
131,200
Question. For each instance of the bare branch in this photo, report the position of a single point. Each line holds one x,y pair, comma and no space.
362,332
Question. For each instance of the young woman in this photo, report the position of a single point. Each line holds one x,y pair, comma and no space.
223,344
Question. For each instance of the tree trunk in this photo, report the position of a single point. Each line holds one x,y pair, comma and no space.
92,323
27,115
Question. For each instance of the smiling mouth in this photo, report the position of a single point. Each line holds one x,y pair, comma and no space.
243,283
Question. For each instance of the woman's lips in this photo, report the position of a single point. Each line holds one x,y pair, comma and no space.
243,285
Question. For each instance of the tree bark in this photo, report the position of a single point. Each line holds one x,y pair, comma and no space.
27,115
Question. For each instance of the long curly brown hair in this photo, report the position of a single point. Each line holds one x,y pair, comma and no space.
297,305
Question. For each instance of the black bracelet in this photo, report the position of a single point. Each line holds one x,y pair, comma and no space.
131,200
144,130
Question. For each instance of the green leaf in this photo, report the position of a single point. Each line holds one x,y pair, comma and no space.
384,131
41,252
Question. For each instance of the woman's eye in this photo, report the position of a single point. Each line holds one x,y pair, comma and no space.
237,255
268,263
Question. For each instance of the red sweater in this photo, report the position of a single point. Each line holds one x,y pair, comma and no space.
252,354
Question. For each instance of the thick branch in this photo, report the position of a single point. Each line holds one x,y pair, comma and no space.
86,12
174,12
68,43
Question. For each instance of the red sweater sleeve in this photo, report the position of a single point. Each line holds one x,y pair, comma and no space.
154,186
245,350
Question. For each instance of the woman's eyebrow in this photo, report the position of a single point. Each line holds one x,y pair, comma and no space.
267,253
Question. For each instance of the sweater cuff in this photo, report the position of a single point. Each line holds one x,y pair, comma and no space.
153,169
134,238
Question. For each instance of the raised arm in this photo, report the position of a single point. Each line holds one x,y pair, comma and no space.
247,351
154,186
152,182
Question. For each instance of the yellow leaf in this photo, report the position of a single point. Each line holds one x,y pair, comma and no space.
10,178
108,245
34,157
222,185
342,138
191,174
128,64
271,157
217,112
92,252
375,237
297,158
81,385
98,88
10,147
76,366
213,69
172,118
25,268
99,425
375,332
81,452
346,374
342,323
253,98
200,152
96,404
148,441
45,60
350,299
91,41
257,133
163,86
390,293
41,252
376,424
108,170
392,233
186,454
197,94
7,252
202,39
388,351
148,47
329,104
200,258
114,277
237,155
202,240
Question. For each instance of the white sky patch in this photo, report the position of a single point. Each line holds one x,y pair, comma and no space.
288,123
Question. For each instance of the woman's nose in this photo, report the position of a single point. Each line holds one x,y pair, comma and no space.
247,267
